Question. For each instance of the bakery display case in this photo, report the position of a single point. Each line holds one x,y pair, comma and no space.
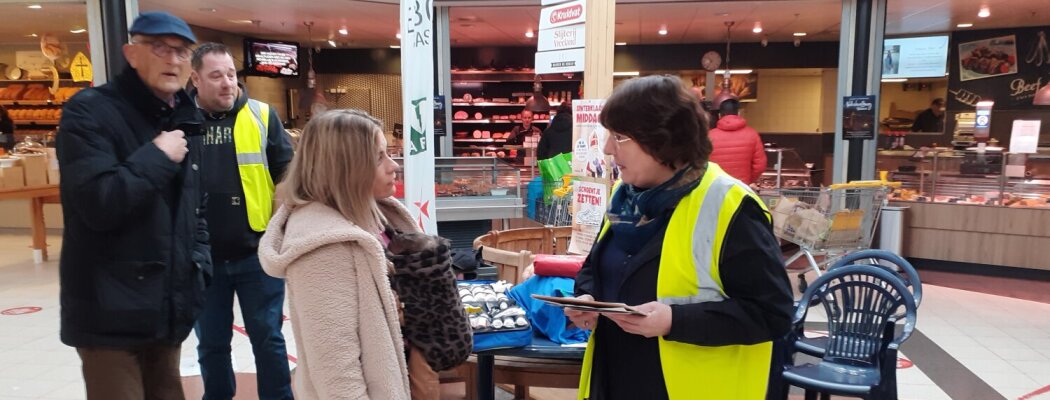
784,169
992,178
474,188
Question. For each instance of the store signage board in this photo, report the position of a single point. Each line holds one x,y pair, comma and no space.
570,13
1024,138
552,2
858,118
417,54
561,38
559,61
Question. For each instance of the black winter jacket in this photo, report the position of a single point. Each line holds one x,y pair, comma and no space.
135,253
557,138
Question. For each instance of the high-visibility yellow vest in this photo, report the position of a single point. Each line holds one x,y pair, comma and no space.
688,274
249,138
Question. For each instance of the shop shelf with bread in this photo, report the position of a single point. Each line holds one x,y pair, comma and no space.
31,104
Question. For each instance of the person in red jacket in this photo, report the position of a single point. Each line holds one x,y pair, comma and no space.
737,147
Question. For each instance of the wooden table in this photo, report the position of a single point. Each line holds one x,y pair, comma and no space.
37,196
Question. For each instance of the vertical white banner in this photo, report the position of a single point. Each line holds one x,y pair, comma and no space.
417,94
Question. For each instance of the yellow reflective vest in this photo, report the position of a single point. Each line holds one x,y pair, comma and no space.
249,138
688,274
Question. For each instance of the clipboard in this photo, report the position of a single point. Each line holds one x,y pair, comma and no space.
588,305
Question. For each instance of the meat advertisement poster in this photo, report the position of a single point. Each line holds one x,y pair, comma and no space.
1007,66
987,58
589,202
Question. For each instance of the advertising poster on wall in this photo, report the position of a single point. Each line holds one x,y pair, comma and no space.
987,58
588,141
589,202
744,86
593,173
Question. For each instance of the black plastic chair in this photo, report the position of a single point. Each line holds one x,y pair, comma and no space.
814,346
860,359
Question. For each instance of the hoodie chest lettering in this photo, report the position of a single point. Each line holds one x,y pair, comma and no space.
217,135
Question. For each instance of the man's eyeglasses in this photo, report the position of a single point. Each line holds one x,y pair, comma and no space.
163,50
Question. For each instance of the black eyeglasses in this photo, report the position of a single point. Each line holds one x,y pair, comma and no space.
163,50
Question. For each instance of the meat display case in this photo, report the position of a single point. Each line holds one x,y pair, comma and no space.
784,169
993,178
473,188
967,208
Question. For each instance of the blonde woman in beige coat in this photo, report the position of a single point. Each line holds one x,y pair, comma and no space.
327,243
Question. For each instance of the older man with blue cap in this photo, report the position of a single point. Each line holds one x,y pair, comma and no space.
135,254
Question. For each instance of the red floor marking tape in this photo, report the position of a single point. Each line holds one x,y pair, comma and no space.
241,330
1043,390
20,310
904,363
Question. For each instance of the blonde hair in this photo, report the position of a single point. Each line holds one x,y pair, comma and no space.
335,165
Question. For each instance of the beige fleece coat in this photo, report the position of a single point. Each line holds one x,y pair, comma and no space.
343,311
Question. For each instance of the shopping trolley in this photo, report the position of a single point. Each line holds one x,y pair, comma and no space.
555,209
828,221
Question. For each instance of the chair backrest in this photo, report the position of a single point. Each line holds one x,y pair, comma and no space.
509,264
545,240
911,275
561,236
861,303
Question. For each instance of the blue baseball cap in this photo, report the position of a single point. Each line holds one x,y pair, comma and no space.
160,23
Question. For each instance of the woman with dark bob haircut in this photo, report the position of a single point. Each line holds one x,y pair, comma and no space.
690,247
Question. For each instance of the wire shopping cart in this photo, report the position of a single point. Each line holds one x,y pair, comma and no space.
555,209
828,221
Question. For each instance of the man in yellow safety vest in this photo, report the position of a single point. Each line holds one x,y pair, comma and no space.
246,151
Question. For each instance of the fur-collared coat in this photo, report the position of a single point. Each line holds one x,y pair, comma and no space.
343,311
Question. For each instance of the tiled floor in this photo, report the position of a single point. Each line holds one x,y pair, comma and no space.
968,345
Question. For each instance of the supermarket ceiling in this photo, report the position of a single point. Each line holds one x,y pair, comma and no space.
374,23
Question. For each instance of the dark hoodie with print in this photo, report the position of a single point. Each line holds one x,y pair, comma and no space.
231,236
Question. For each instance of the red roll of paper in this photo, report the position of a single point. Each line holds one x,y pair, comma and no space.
551,265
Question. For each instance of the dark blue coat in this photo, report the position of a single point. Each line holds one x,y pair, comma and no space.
135,253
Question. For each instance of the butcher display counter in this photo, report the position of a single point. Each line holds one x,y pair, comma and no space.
473,188
984,208
784,169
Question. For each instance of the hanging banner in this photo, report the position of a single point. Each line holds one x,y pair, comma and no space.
417,94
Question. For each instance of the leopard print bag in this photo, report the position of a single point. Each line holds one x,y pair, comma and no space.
434,319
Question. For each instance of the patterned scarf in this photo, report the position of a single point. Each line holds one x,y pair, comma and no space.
632,211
